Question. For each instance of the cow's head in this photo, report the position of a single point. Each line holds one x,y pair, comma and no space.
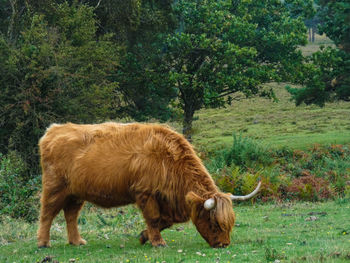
215,224
214,218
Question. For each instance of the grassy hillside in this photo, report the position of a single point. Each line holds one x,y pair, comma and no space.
293,232
274,123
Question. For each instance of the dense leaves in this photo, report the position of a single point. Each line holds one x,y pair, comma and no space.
48,77
79,61
18,196
145,87
326,75
224,47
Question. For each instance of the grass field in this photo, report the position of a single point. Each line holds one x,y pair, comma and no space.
291,232
274,123
320,40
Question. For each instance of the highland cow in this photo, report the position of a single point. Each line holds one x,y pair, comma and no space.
113,165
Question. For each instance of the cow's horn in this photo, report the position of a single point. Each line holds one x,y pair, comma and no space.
209,204
245,197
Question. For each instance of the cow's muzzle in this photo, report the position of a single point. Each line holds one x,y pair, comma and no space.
220,245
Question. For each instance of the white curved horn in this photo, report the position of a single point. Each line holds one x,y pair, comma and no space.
245,197
209,204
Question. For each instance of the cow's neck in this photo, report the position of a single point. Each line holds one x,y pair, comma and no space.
205,188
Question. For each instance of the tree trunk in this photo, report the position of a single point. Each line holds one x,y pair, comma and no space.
313,34
187,122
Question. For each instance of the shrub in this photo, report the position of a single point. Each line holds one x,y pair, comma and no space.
319,173
18,197
237,182
244,152
309,188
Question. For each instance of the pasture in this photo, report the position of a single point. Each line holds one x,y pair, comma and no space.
277,124
289,232
273,232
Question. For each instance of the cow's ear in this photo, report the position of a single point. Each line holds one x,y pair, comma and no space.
192,198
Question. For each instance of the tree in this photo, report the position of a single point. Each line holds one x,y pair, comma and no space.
83,62
143,79
145,87
47,76
225,47
326,74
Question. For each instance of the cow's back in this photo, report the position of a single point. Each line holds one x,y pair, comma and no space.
108,163
62,143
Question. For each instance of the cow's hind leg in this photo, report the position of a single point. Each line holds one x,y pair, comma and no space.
51,203
71,212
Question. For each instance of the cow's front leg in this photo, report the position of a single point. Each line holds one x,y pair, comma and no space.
150,210
162,225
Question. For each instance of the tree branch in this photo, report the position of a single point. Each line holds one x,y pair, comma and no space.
99,2
227,93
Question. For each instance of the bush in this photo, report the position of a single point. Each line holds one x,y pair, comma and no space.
234,181
319,173
244,152
309,188
18,197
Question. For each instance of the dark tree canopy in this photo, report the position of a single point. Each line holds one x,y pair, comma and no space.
46,76
326,75
79,61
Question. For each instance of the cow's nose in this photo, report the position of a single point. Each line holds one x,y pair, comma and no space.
221,245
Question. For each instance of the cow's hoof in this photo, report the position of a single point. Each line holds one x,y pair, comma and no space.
143,238
78,243
43,244
162,245
159,243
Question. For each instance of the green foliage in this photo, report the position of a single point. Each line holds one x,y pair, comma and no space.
48,77
325,75
18,197
335,16
325,78
316,174
146,90
238,168
244,152
236,180
247,153
145,87
301,8
236,48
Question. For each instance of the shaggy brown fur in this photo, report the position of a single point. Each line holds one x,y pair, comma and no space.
113,164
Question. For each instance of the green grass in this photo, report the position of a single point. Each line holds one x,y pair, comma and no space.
263,233
274,123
